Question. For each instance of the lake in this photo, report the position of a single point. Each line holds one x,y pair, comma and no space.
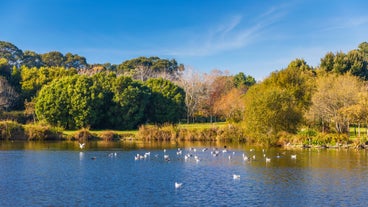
109,174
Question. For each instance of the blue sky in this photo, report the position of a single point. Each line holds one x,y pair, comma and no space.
251,36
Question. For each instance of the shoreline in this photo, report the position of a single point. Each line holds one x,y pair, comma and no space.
214,132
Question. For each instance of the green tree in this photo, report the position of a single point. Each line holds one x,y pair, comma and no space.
279,102
143,68
363,48
103,85
130,102
75,61
11,53
327,63
241,80
98,101
53,59
32,59
354,62
167,102
53,103
71,102
32,79
358,65
268,111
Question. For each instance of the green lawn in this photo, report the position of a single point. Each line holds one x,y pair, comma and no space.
355,131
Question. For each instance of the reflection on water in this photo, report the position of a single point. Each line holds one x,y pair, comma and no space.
106,174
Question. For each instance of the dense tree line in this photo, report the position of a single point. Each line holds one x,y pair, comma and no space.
16,57
328,98
206,99
143,68
354,62
106,101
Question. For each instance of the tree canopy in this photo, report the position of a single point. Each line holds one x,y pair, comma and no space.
279,102
143,68
167,102
104,100
64,90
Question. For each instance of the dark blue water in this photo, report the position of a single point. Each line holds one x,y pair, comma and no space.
102,178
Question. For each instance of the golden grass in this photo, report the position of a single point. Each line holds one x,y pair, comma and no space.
202,125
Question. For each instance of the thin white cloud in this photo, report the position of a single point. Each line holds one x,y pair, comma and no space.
228,26
234,33
346,23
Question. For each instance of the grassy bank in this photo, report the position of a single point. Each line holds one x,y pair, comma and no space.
10,130
107,135
192,132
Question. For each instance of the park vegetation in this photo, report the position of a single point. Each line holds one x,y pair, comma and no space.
51,92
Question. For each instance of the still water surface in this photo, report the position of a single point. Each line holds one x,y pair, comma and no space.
107,174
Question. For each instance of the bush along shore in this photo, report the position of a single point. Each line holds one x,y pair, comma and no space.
10,130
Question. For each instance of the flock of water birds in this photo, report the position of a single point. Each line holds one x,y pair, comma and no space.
192,155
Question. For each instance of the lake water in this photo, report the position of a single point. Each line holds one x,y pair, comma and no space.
107,174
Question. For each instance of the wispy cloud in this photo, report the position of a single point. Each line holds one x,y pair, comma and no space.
233,33
346,23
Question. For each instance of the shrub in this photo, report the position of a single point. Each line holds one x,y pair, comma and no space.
83,135
329,139
17,116
109,136
172,132
42,132
233,132
11,130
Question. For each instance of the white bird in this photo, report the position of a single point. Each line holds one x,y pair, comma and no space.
186,157
178,185
268,159
81,145
293,156
236,176
245,158
166,158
